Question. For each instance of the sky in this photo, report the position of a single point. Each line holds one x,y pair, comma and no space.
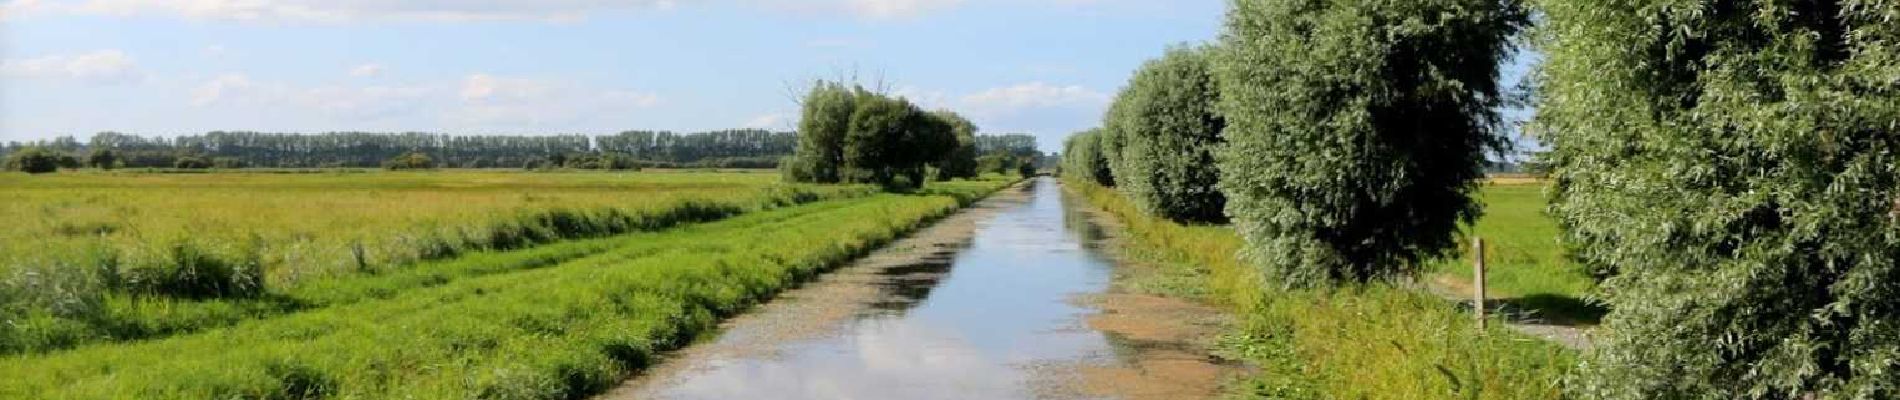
168,67
527,67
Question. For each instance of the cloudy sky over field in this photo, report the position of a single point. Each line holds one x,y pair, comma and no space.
74,67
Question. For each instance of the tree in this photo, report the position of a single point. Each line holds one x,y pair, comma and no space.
960,162
191,162
410,160
822,127
102,158
1170,128
1082,157
1356,130
33,160
1735,166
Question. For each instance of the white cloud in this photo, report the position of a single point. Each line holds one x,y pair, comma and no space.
366,70
457,10
346,10
221,88
494,102
340,102
776,120
886,9
1033,95
865,9
103,66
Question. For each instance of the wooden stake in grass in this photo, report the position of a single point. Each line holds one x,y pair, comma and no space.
1477,277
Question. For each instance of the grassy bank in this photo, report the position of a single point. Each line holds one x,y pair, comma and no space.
1374,341
497,330
168,254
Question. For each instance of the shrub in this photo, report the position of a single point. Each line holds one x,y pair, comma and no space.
1170,128
1082,156
827,114
410,160
102,158
1356,130
960,162
33,161
191,162
1733,164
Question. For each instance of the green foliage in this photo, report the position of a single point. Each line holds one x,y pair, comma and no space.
960,162
1082,158
191,162
33,161
1169,129
1374,341
822,126
884,140
1734,164
1356,130
125,264
566,325
410,160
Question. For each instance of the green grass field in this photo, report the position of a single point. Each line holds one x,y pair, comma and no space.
1373,342
1525,264
101,257
560,319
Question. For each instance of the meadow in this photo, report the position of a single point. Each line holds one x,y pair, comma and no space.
561,319
110,256
1377,340
1526,267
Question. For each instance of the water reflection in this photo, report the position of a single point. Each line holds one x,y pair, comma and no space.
962,325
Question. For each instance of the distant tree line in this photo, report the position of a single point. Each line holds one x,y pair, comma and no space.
735,148
850,134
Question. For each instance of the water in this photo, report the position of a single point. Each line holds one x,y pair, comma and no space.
980,317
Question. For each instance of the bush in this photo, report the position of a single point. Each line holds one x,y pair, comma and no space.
1082,156
961,160
1357,130
410,160
102,158
826,118
33,160
1169,129
1733,164
887,141
191,162
227,162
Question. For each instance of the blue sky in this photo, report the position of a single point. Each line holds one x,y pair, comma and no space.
165,67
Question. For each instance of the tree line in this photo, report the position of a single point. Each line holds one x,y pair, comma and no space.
1730,165
736,148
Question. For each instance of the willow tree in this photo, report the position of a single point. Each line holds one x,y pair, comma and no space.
1169,129
1357,129
960,161
1733,163
822,126
1082,158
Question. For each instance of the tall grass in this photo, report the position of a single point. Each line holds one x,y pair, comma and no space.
1525,261
565,330
194,251
1373,341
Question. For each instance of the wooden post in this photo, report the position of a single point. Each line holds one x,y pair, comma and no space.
1477,275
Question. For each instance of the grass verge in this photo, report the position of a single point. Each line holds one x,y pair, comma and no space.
561,331
1365,342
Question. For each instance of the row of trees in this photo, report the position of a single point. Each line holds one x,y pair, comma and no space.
852,135
739,148
1731,164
